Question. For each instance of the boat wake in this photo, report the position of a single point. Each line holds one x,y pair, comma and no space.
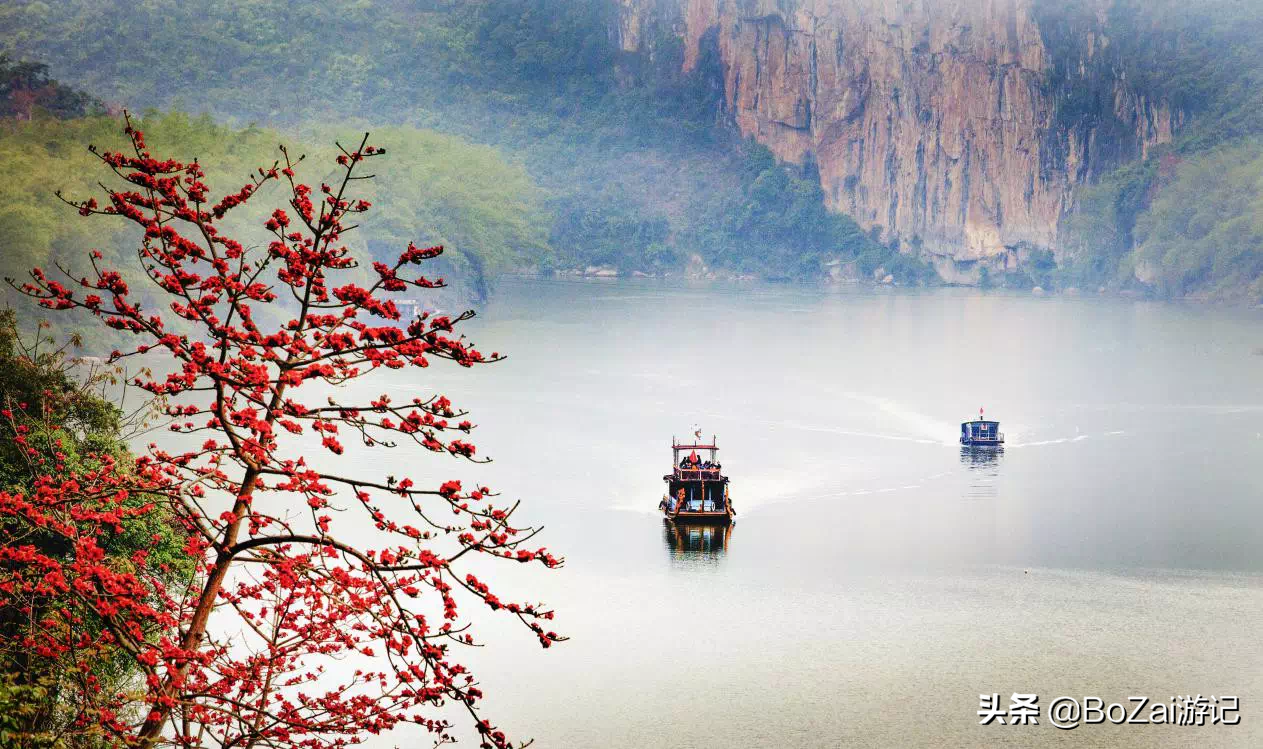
1063,440
639,508
922,428
1041,443
768,501
919,423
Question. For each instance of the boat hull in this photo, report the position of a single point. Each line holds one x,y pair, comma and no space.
981,443
702,517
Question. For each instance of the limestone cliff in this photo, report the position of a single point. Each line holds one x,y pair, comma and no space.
938,121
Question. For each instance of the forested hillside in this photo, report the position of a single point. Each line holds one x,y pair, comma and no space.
636,172
1187,220
636,163
436,189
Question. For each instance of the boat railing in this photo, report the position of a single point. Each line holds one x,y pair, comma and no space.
697,474
997,437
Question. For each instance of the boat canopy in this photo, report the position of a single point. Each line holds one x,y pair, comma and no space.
694,446
705,466
980,431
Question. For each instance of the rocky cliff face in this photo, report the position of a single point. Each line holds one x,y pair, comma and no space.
942,122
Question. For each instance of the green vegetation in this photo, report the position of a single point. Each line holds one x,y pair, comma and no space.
26,90
634,171
1099,235
1203,233
439,189
782,214
435,188
68,424
1185,221
1203,57
40,396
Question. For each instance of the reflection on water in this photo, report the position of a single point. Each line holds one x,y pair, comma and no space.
871,599
981,457
983,464
692,541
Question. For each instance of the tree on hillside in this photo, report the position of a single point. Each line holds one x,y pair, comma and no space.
245,655
26,87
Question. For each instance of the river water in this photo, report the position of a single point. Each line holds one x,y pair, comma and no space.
878,580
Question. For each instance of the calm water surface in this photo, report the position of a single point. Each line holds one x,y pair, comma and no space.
878,579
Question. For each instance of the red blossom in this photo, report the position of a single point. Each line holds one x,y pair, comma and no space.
267,554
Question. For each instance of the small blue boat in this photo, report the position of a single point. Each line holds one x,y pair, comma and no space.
981,432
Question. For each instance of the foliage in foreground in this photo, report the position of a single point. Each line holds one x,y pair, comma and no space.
57,417
291,633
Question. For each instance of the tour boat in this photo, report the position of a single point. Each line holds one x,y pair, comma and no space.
697,490
981,433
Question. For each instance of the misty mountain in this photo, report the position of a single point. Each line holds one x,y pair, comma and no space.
1013,143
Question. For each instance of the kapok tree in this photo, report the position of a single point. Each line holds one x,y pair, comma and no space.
240,657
